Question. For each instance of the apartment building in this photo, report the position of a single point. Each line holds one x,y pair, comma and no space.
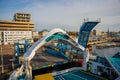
18,29
22,17
11,37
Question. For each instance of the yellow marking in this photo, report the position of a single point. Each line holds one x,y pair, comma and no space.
94,75
47,76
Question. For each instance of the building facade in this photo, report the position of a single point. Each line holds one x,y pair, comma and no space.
35,34
22,17
97,32
0,37
43,32
11,37
19,29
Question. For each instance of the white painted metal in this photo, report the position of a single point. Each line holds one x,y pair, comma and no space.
31,52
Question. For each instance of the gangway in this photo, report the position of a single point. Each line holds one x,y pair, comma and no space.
85,30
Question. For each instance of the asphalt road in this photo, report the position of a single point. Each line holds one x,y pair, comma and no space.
42,58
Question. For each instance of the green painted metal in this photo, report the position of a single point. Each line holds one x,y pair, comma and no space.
57,36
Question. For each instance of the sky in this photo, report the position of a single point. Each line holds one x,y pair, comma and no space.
65,14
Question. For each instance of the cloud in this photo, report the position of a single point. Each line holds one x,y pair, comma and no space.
69,14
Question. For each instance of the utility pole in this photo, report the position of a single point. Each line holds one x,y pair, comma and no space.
2,60
13,59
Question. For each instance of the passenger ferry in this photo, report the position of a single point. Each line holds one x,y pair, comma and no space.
75,67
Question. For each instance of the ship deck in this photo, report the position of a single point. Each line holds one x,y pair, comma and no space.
42,58
78,75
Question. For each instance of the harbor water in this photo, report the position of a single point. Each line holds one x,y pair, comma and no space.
105,51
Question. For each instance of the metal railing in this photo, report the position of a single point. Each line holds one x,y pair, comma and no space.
92,20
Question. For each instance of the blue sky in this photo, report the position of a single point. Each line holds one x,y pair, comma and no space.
65,14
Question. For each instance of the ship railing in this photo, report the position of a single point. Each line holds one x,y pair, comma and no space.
67,70
92,20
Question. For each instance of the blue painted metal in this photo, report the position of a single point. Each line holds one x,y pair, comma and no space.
57,36
82,39
19,51
85,31
25,45
115,61
56,53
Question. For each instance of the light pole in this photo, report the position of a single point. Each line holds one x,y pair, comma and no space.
2,60
13,59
